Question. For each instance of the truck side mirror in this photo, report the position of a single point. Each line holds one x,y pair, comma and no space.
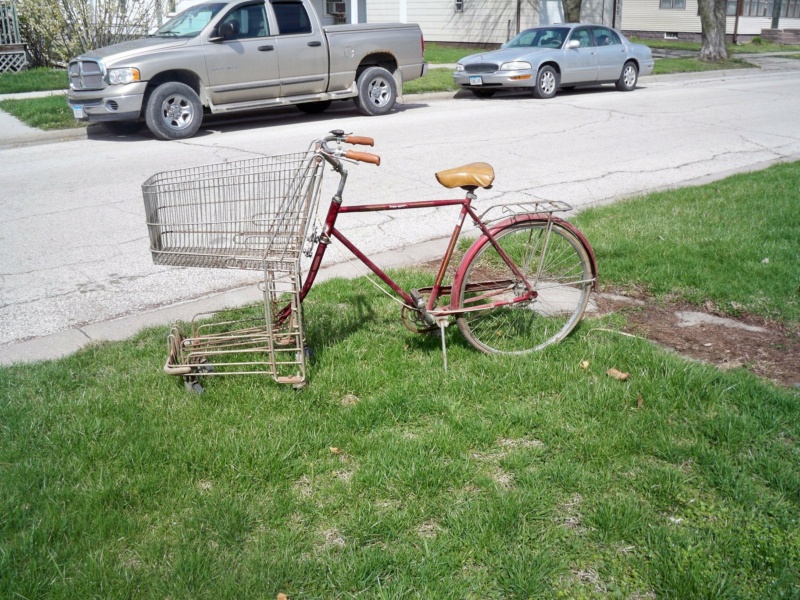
227,31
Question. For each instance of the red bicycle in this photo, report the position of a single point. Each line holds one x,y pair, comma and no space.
523,284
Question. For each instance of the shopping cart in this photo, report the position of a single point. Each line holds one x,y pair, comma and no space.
247,214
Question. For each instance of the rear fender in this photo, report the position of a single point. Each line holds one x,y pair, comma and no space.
513,220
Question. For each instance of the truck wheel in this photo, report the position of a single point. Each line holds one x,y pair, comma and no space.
377,92
173,111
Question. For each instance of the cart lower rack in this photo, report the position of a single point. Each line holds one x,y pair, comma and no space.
248,214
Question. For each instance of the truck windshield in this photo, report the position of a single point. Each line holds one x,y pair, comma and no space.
190,22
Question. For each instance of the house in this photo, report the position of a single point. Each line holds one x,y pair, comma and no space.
468,21
679,19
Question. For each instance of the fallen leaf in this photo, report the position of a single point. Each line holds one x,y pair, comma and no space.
334,450
282,596
618,375
639,402
584,364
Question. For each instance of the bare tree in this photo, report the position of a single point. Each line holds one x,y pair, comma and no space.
712,21
57,31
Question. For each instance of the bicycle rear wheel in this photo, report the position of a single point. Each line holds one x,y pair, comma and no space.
562,280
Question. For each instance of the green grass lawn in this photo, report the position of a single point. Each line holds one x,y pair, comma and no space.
688,243
504,477
665,66
51,112
33,80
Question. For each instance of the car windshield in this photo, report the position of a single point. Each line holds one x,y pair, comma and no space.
190,22
542,37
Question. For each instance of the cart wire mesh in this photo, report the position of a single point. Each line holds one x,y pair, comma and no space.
249,214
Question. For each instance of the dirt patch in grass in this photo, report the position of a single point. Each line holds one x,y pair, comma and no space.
766,348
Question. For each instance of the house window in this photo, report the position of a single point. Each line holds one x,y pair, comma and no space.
791,9
459,6
672,4
731,9
757,8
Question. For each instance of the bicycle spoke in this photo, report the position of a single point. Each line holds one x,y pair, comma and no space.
562,289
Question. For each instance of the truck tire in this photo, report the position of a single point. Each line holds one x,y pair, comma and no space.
377,92
173,111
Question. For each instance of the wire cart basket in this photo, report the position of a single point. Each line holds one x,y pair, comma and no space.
249,214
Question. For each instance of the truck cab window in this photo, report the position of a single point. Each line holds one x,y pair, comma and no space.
248,22
292,18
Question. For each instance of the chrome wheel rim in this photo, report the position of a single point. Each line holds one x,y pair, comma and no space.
547,83
177,112
379,92
629,76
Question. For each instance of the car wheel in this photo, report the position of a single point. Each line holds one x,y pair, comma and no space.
482,93
173,112
546,83
377,92
314,108
122,127
630,75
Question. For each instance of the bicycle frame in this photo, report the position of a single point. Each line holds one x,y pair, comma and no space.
438,289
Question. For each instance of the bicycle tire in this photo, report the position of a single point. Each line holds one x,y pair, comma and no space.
563,286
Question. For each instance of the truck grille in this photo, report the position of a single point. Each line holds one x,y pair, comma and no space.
481,68
86,75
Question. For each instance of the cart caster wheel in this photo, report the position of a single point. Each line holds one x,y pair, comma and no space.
308,352
299,386
205,367
193,387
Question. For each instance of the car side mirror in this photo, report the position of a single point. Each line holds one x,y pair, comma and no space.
573,44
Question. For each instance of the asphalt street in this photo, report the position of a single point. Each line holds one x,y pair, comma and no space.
74,259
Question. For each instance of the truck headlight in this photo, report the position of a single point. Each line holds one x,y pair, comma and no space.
126,75
517,65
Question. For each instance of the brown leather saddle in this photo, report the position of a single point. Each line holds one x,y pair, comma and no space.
468,177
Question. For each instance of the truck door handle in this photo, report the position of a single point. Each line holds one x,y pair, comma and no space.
266,48
315,44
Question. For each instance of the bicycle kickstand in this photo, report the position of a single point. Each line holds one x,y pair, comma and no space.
443,322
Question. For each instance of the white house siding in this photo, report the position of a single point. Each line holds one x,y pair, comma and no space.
645,15
481,21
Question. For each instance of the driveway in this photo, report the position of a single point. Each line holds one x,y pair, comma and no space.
74,260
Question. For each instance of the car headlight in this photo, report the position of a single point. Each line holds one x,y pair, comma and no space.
126,75
459,68
516,65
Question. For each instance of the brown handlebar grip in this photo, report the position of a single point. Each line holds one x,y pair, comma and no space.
360,140
363,157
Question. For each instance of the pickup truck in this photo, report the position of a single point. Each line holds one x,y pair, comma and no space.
237,55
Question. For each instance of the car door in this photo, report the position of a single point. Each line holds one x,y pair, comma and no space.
611,53
580,64
243,65
302,50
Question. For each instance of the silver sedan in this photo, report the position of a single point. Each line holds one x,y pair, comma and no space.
544,59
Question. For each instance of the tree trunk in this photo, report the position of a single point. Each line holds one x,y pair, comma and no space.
712,20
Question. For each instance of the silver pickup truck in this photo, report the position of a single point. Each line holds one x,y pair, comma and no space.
237,55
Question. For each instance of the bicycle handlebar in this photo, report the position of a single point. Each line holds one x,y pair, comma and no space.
339,136
359,140
363,157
